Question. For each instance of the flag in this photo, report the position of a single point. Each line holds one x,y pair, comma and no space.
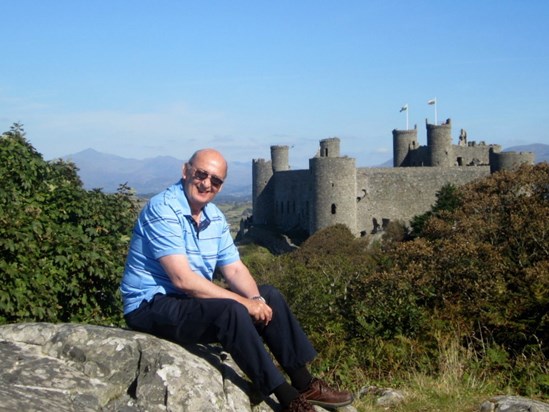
432,101
404,108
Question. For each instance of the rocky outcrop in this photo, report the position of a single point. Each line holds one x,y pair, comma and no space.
71,367
513,404
78,368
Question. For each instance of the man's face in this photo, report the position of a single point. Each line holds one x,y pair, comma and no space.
204,178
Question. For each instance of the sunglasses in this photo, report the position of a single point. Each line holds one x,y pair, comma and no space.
201,175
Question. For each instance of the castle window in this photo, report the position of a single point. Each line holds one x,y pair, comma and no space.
334,207
460,161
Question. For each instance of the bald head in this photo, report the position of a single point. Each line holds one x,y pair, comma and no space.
210,156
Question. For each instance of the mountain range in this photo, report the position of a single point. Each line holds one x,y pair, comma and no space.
151,175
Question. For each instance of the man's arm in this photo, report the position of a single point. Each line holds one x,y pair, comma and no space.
237,275
240,279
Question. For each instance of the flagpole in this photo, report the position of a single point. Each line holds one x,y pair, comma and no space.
434,102
405,109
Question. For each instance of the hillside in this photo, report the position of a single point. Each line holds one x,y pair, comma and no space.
151,175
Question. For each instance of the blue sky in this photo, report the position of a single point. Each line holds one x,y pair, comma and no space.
147,78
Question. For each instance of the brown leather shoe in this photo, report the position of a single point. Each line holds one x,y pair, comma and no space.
319,393
299,404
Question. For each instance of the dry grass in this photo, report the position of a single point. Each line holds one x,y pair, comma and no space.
454,389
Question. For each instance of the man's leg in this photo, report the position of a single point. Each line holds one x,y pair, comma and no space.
187,321
284,335
293,350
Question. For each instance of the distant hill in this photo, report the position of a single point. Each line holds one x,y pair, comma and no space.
540,150
151,175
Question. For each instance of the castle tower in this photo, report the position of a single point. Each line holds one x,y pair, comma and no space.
262,196
329,147
439,144
404,141
333,196
279,158
509,160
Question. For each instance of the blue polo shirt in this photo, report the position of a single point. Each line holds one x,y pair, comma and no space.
165,227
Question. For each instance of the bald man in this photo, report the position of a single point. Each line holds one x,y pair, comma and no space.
179,239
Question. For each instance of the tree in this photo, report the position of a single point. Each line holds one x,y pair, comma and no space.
62,248
447,200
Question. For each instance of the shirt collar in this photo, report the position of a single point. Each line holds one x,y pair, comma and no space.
204,218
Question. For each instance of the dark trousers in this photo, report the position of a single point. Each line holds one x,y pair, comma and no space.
191,320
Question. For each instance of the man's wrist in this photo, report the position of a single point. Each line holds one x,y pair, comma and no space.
259,297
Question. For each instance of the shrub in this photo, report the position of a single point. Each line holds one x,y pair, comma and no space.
475,273
62,248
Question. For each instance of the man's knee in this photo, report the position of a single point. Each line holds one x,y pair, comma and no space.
236,310
271,294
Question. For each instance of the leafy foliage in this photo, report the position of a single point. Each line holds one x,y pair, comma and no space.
476,272
447,200
62,248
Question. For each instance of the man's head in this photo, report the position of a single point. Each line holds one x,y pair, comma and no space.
203,177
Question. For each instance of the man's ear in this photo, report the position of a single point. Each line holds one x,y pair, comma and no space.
184,171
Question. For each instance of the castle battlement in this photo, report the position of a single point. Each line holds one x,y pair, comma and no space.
333,190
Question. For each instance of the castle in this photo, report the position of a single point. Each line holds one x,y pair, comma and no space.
333,190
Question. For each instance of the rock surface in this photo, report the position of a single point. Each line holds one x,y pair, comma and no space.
71,367
77,368
513,404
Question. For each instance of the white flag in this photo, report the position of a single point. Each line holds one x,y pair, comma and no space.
404,108
432,101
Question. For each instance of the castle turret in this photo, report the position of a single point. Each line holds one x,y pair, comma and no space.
262,196
439,144
333,194
404,141
509,160
279,157
329,147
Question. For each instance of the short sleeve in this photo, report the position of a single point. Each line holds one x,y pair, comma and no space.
162,230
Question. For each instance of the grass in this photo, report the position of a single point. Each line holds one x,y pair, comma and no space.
459,385
452,390
427,394
234,213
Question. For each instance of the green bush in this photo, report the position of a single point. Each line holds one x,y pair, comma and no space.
62,248
476,272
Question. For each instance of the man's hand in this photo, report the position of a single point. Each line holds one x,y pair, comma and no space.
259,311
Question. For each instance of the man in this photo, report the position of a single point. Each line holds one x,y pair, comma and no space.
167,289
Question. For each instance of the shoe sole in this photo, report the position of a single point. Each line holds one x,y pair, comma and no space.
330,405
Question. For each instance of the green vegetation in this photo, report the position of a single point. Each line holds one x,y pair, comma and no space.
234,212
451,311
464,304
62,248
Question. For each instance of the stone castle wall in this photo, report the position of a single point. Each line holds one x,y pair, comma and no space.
333,190
291,199
390,195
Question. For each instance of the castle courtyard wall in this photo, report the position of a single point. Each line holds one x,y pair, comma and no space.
397,194
292,191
